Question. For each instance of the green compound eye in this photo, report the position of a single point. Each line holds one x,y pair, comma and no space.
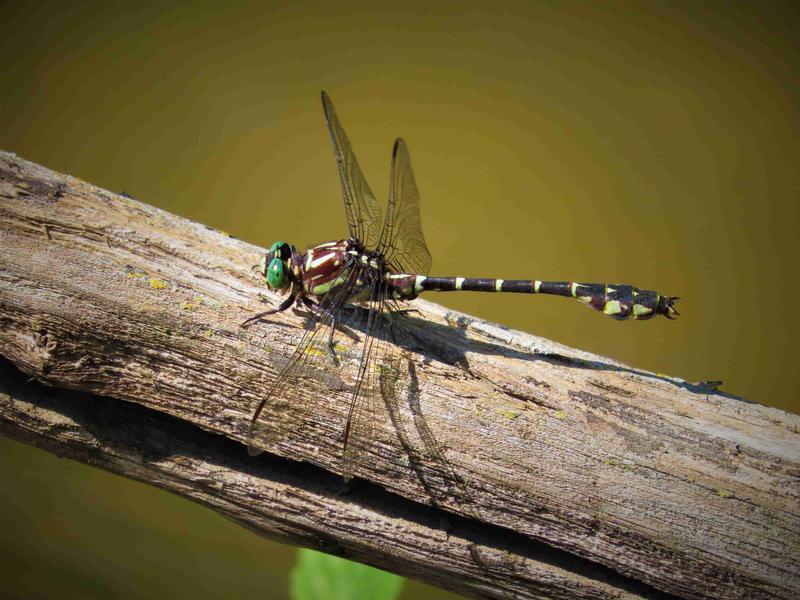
276,274
280,250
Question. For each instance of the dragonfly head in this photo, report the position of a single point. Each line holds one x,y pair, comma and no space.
274,265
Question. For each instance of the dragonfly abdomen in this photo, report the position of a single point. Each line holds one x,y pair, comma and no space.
615,300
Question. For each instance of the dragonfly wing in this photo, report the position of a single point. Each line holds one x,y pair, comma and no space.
402,241
280,410
368,411
362,211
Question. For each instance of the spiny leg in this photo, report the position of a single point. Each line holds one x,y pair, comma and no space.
283,306
314,307
335,323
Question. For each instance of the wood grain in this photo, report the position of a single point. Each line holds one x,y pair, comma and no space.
579,476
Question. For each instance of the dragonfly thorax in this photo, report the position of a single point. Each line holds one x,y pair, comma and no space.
332,264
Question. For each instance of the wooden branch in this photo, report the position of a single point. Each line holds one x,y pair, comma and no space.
547,471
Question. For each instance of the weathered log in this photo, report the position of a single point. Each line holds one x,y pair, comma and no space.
548,471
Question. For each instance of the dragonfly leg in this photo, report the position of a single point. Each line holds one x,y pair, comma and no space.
348,331
283,306
315,308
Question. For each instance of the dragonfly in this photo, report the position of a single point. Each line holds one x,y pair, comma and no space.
383,264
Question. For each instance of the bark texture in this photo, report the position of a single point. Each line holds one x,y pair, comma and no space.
512,467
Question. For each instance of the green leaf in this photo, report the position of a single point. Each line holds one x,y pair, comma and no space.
318,576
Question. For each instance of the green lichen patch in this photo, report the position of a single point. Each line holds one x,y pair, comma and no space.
511,415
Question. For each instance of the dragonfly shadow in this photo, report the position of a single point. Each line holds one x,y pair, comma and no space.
378,373
435,473
449,343
446,343
707,388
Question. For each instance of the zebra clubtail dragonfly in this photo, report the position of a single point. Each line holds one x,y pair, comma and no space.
383,263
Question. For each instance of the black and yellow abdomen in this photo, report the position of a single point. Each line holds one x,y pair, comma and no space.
618,301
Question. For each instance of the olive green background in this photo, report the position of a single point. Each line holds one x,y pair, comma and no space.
639,143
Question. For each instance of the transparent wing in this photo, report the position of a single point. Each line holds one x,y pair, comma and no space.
362,211
367,411
279,412
402,242
386,380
